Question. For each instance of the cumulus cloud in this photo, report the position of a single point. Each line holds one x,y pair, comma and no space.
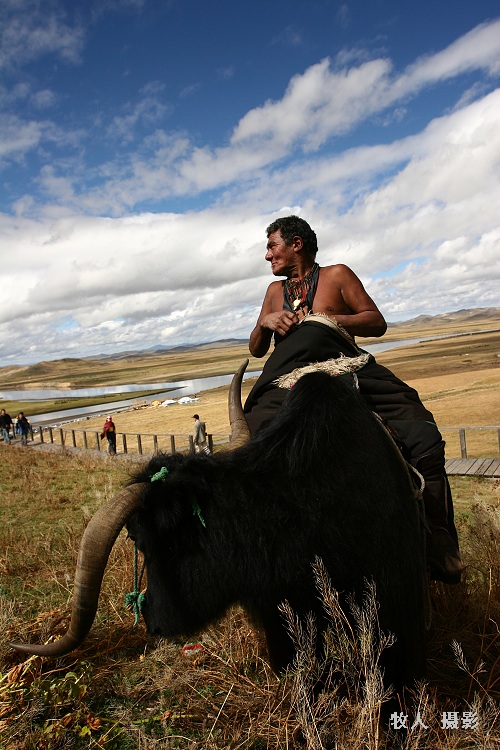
416,216
326,101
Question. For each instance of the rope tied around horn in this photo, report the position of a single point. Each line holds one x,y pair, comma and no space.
134,600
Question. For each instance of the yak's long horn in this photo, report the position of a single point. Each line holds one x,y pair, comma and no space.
240,432
95,547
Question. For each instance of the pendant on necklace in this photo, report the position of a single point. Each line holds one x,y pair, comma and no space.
296,304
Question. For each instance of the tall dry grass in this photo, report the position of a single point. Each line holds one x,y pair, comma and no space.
125,689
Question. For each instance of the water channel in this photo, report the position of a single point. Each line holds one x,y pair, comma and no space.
173,390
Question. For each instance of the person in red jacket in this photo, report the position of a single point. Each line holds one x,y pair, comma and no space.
109,431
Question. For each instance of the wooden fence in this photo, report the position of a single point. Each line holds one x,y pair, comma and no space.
129,443
461,442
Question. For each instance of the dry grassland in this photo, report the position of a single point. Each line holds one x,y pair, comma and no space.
125,690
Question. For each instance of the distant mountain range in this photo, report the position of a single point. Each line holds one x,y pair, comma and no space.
161,349
459,316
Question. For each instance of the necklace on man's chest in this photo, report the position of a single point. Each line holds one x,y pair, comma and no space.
300,292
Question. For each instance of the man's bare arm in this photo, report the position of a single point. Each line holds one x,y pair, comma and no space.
365,324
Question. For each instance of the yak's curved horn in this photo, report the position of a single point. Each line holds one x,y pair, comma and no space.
240,432
95,547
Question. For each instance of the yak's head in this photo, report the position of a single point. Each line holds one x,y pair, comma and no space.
170,530
101,533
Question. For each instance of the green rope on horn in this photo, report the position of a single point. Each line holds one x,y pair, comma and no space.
160,475
135,599
197,512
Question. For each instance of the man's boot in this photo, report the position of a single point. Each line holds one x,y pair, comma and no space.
442,551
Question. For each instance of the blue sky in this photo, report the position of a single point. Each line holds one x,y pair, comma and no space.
146,145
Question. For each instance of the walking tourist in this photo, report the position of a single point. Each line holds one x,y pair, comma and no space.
23,427
5,425
200,435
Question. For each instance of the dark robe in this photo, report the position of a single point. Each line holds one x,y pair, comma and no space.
387,395
399,406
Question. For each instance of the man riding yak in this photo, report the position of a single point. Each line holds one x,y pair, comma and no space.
314,316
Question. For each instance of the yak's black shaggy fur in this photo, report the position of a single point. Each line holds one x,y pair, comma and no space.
323,480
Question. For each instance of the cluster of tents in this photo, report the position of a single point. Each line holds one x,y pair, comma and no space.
170,401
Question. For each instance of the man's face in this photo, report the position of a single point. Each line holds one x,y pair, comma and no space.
280,255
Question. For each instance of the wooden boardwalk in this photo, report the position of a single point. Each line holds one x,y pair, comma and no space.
486,467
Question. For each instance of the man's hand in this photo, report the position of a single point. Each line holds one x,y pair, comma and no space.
280,322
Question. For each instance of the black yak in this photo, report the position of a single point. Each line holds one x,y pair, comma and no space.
323,480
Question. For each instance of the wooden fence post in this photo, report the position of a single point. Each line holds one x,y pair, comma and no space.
191,444
463,443
155,444
139,445
172,443
85,439
124,441
211,443
51,435
61,435
73,438
97,445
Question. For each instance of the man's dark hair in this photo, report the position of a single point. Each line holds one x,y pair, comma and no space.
294,226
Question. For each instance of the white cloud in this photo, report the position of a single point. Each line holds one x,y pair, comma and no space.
318,105
147,110
416,217
323,101
29,30
18,137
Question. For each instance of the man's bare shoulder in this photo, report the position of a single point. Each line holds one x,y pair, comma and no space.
337,273
274,289
273,299
275,285
336,268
